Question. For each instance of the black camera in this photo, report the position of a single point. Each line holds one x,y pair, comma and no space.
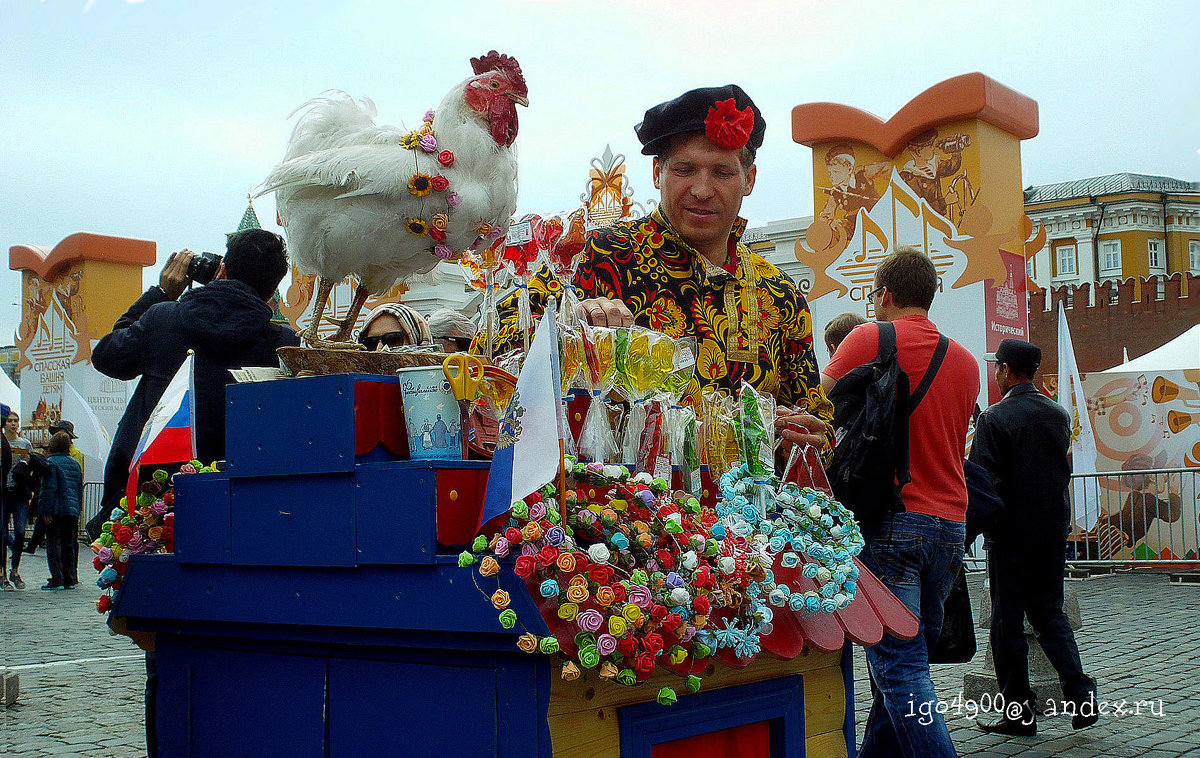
203,268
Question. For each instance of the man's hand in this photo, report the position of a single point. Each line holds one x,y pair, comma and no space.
173,278
798,427
600,311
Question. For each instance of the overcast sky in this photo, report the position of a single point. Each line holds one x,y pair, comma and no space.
153,119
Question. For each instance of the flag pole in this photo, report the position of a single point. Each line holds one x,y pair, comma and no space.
562,482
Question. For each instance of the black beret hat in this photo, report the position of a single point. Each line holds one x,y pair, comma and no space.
1019,353
704,110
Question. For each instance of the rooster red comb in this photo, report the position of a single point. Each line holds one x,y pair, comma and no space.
494,61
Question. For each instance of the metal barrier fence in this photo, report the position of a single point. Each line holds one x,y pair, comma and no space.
92,492
1145,518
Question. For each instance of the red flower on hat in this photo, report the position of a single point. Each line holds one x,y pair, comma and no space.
728,127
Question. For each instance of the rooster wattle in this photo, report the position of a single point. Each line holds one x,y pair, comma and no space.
384,203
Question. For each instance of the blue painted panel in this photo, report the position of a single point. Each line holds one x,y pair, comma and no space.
294,520
203,525
391,708
394,506
780,701
245,703
157,591
274,428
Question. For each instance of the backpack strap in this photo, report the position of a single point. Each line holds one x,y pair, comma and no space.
935,363
887,338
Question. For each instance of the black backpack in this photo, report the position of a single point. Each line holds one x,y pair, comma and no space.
871,408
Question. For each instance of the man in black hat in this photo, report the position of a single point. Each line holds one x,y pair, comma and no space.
69,428
684,270
1023,441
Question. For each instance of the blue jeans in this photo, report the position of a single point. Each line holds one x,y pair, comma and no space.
916,557
19,513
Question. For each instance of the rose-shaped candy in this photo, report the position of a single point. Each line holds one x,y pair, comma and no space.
617,626
608,670
605,596
549,588
590,620
644,663
527,642
632,613
565,561
500,600
568,610
105,555
589,657
439,183
600,574
135,540
653,642
501,547
680,596
606,644
672,622
640,596
525,566
577,580
619,592
465,559
513,535
548,555
556,535
532,531
678,655
626,677
548,645
489,566
446,158
508,618
627,646
578,594
537,511
658,613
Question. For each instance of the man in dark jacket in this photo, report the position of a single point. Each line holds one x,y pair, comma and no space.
1023,442
228,324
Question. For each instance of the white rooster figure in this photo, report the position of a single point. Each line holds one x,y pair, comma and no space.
384,203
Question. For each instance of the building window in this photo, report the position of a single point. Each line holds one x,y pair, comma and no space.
1031,262
1066,260
1157,259
1110,256
1194,255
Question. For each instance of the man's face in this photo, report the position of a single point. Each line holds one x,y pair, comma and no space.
702,187
1002,376
840,169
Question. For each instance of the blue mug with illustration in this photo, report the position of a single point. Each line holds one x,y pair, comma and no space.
431,414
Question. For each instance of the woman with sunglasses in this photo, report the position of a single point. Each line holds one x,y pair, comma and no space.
392,326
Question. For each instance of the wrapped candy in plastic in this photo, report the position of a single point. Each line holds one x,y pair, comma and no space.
520,254
599,351
683,438
755,425
720,447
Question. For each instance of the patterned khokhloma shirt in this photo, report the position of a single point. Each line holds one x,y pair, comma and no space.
752,326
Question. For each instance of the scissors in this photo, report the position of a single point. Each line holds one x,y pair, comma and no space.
464,372
466,375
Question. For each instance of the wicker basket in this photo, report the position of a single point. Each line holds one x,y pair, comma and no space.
312,361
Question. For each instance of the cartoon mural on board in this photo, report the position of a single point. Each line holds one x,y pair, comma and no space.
1145,422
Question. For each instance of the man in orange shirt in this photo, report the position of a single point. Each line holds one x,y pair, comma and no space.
916,553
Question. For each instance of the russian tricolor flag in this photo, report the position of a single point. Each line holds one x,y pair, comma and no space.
169,435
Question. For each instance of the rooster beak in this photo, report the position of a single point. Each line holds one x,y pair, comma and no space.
518,99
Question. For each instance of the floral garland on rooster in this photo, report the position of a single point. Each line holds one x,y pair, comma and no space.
641,576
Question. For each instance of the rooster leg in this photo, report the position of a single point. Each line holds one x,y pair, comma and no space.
311,335
347,324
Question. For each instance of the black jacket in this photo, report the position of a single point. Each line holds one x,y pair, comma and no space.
225,322
1023,441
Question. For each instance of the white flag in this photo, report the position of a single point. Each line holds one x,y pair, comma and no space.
1083,442
527,452
92,439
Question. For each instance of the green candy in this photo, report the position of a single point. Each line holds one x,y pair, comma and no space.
480,544
659,485
520,510
667,696
693,505
700,650
639,577
548,645
552,516
106,540
626,677
465,559
107,528
589,657
508,619
711,547
160,476
692,683
672,527
585,639
145,498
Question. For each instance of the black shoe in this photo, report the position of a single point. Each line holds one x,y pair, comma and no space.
1026,727
1083,722
48,586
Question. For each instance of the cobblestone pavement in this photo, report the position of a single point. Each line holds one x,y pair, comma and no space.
81,688
1139,640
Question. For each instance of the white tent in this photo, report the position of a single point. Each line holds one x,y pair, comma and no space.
10,394
1179,354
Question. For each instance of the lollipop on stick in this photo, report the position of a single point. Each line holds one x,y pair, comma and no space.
520,253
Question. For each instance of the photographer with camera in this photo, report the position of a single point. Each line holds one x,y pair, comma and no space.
227,323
